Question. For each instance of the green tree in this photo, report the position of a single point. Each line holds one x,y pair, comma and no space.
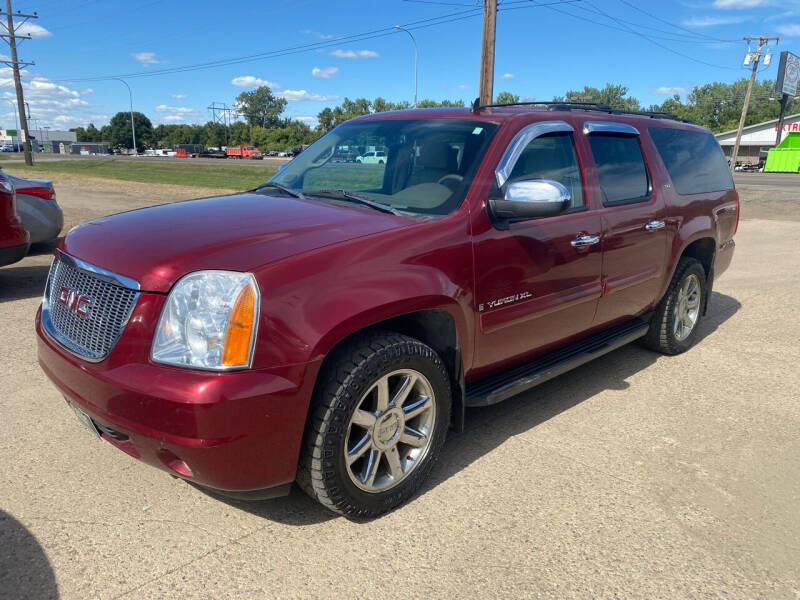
215,134
506,98
615,96
261,107
119,130
427,103
238,133
80,134
718,105
383,105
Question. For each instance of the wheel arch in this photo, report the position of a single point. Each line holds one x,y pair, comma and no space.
437,327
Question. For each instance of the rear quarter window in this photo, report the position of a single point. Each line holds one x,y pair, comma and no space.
693,159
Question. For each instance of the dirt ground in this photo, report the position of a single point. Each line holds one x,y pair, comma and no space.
635,476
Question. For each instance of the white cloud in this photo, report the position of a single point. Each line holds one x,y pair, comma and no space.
339,53
324,73
507,76
740,3
31,29
146,58
317,34
177,96
172,119
303,95
251,81
792,30
463,87
53,104
184,110
666,90
711,21
307,119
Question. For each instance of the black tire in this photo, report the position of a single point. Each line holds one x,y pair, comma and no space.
661,336
347,376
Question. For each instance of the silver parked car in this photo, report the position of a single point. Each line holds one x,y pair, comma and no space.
36,204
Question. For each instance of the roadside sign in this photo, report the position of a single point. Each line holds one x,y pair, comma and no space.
788,72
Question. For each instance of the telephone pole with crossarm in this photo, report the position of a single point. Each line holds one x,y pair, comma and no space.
11,37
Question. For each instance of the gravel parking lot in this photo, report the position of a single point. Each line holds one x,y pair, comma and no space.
637,475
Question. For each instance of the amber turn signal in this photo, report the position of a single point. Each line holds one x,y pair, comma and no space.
240,329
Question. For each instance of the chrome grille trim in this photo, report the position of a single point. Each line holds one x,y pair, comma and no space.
112,300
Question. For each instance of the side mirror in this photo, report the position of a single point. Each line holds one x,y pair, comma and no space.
531,200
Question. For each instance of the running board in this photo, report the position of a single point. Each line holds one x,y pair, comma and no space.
496,388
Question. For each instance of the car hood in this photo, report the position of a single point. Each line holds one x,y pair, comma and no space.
158,245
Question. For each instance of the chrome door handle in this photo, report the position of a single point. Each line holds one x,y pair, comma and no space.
584,240
654,225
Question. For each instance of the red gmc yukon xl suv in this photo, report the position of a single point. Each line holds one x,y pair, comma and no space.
330,326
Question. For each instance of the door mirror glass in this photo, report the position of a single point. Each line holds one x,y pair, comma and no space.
532,199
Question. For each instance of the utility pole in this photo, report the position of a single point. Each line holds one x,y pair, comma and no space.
755,58
487,51
14,63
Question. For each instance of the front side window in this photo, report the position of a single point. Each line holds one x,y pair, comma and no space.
551,156
422,166
620,168
694,160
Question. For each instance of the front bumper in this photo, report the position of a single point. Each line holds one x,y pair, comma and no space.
239,431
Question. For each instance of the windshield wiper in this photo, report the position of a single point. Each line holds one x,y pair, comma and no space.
355,198
284,189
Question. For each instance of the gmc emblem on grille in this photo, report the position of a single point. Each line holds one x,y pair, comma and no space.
74,301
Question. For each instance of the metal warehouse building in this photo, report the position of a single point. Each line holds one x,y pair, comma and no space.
757,139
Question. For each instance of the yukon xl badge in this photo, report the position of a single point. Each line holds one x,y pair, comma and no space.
506,300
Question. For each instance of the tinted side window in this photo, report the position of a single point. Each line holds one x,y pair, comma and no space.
551,156
620,168
694,160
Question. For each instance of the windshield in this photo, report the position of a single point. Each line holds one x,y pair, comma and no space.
417,165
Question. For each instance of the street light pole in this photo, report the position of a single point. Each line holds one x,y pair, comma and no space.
130,97
416,60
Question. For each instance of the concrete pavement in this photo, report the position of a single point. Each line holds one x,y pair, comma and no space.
637,475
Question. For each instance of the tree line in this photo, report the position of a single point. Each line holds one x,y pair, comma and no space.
715,105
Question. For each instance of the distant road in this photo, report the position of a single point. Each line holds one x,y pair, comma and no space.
781,180
46,157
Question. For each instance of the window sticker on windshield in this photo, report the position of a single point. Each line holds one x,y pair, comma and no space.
477,131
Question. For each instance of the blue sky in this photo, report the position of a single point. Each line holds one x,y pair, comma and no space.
541,51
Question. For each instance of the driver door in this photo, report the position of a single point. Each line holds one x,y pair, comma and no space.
537,280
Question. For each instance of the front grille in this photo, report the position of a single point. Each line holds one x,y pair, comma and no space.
86,309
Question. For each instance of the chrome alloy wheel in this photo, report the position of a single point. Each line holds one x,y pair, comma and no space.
687,308
390,430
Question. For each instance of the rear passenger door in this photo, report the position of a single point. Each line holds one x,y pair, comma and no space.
633,220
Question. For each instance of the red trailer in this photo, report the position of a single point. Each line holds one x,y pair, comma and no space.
243,152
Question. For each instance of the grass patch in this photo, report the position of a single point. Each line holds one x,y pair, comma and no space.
238,177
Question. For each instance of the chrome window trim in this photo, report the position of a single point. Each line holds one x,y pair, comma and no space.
47,324
524,137
590,127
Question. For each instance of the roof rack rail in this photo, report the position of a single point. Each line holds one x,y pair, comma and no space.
597,106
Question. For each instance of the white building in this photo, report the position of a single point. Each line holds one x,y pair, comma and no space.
757,139
44,140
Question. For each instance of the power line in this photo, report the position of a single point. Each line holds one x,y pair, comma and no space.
671,36
641,35
657,18
351,38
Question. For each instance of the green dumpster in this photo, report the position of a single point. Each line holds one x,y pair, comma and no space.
785,157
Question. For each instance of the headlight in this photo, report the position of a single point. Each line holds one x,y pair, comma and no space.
208,322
